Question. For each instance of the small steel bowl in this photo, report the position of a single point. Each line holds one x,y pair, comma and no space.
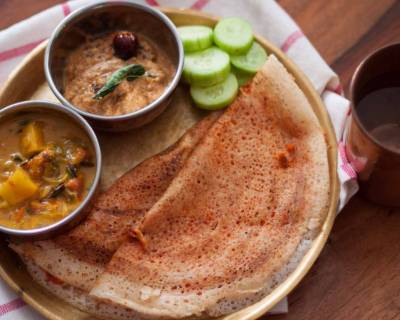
106,17
80,212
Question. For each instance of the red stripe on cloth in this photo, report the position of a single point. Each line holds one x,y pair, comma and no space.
291,40
66,8
346,165
11,306
339,89
199,4
348,172
343,128
19,51
153,3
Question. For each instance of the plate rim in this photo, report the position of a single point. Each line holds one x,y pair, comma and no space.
284,288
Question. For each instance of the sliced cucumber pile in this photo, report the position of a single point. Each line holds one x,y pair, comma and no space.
196,38
214,71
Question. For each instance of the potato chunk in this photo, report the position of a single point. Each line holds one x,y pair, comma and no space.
32,139
18,187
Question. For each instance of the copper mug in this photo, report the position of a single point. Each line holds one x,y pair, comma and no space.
373,134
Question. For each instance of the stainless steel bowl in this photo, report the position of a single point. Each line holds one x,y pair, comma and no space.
80,212
106,17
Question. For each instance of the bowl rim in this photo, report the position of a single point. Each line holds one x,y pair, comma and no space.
79,120
127,3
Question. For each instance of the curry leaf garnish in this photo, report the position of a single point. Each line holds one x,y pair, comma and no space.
57,191
71,170
130,72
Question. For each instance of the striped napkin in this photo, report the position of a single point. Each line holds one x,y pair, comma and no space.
267,18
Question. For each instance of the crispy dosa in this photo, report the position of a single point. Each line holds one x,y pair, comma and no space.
79,256
78,297
236,219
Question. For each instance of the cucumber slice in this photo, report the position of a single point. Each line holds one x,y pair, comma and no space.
242,77
207,67
217,96
233,35
195,38
252,60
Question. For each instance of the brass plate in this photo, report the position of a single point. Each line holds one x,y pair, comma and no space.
122,151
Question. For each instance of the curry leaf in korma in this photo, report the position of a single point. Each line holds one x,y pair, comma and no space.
130,72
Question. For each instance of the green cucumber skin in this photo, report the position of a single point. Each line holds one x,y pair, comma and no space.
246,67
242,77
215,106
223,40
234,51
207,80
196,43
211,78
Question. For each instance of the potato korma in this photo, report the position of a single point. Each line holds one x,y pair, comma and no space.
47,165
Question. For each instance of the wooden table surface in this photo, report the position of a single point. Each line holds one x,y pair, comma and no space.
358,273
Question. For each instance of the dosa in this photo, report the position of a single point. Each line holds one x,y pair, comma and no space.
237,218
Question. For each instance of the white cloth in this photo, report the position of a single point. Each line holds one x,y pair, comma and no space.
267,18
